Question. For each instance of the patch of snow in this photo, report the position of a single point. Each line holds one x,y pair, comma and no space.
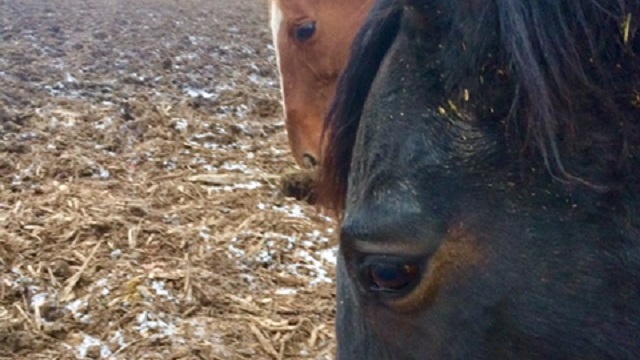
159,287
181,124
170,164
248,278
104,123
77,307
103,284
148,322
252,185
116,253
27,136
329,255
313,265
234,166
103,173
39,299
70,79
88,342
118,338
189,56
193,92
235,251
286,291
294,210
205,233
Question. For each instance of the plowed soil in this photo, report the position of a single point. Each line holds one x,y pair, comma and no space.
142,217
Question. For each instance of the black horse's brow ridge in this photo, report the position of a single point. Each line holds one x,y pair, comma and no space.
548,47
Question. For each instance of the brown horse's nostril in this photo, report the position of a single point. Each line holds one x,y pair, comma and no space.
309,161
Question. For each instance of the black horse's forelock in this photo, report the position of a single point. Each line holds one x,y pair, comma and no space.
556,52
549,43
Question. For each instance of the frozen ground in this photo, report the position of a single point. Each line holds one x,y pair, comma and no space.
142,145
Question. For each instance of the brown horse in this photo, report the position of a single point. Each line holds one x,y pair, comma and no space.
311,40
485,159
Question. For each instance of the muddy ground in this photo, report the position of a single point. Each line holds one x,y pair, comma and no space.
141,149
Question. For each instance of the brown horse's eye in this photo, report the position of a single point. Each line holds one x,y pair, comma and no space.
305,31
392,277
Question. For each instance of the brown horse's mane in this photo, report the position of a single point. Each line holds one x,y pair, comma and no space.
558,53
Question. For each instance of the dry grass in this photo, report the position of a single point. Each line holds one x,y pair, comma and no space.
139,222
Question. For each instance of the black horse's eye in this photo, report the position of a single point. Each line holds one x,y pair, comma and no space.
305,31
392,277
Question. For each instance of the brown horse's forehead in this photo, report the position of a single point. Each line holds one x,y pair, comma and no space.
300,8
295,7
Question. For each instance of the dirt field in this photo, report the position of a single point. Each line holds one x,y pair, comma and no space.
141,214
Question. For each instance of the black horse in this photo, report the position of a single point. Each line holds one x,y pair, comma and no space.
484,159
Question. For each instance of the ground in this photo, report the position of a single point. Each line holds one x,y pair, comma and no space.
141,150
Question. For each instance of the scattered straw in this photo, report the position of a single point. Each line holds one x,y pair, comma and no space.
142,201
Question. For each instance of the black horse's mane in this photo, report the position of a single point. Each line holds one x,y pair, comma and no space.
558,54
